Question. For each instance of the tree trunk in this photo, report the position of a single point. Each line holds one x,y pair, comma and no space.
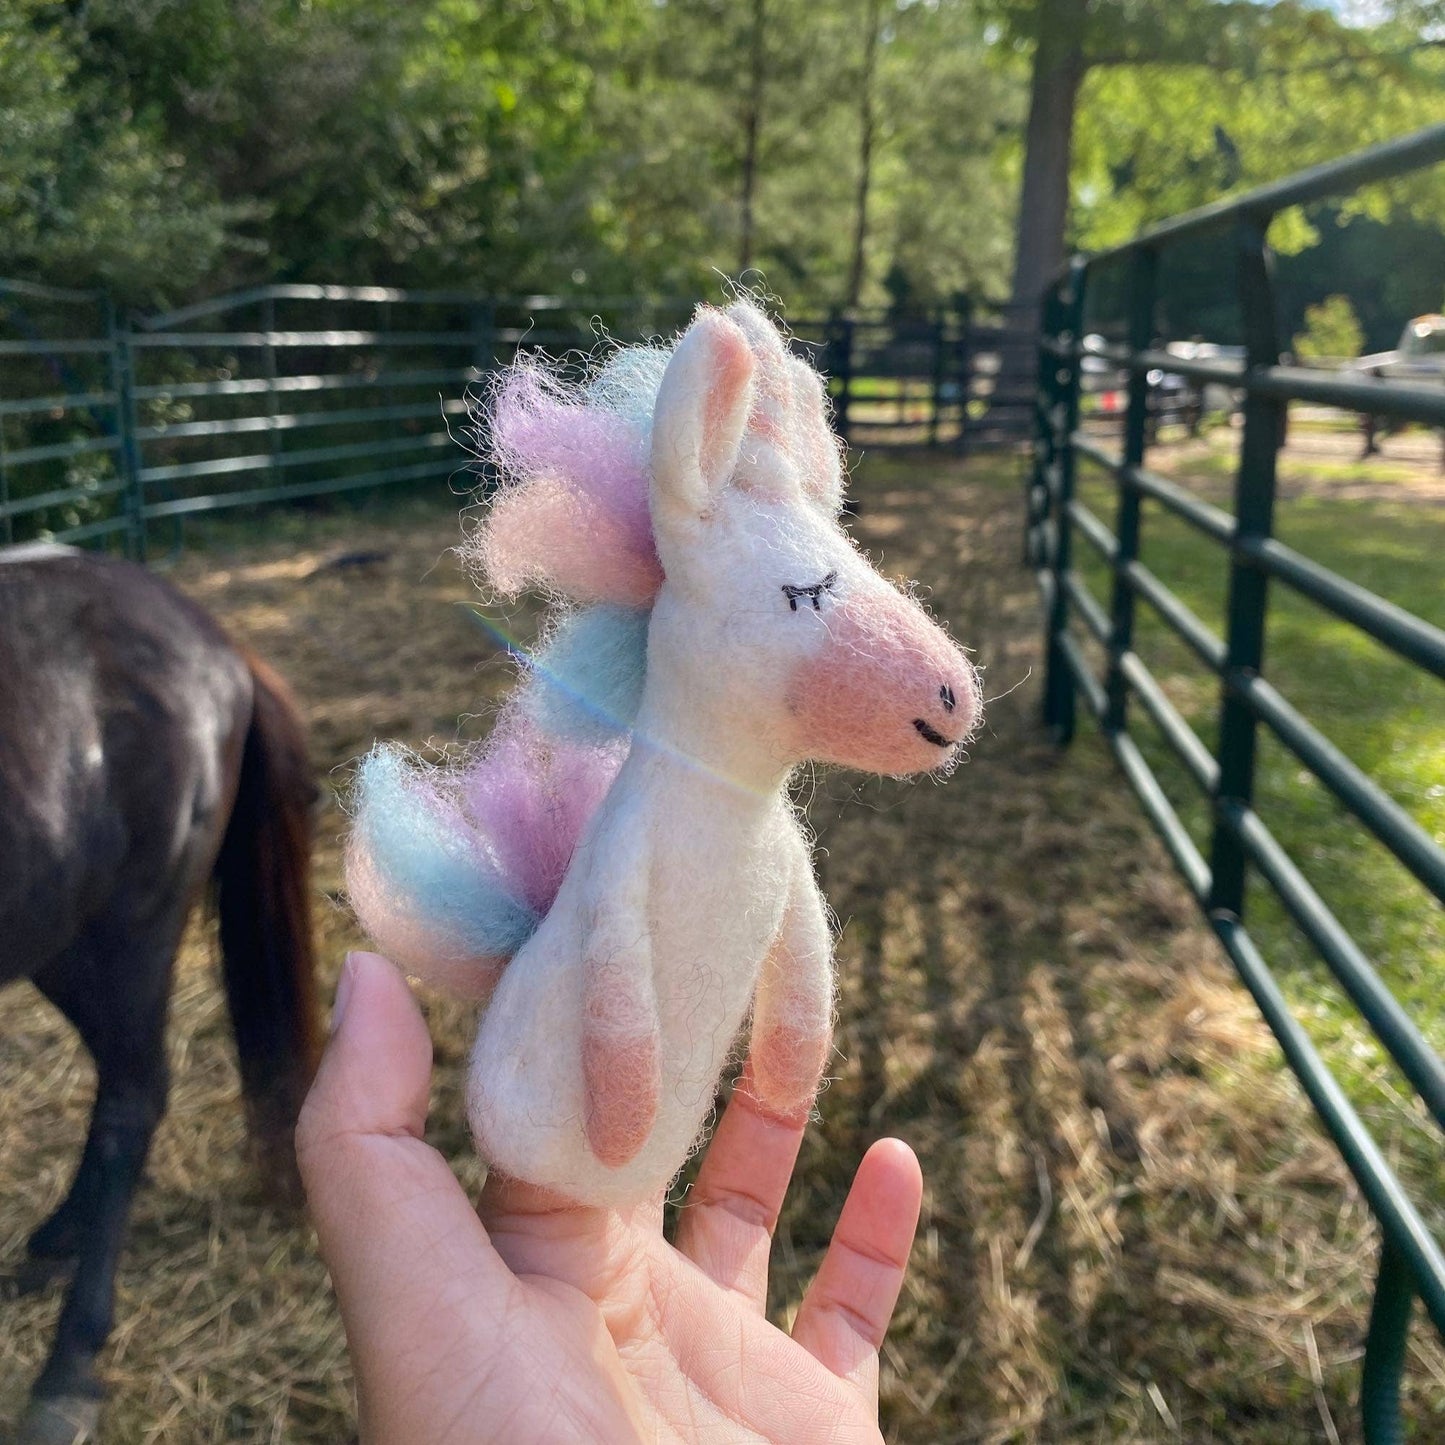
1058,72
752,124
866,124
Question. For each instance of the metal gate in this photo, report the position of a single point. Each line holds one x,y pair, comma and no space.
1411,1262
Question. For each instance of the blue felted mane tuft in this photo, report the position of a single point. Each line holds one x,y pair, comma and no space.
431,863
586,682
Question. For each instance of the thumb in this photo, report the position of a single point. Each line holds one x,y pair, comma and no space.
396,1229
375,1076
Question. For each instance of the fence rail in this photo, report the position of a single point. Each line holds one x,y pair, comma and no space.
110,426
1411,1261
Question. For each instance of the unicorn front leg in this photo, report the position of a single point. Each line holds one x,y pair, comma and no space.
621,1033
793,1007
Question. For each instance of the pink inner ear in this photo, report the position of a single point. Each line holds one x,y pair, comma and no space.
730,370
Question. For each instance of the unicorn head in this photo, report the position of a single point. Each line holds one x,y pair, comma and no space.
771,632
704,484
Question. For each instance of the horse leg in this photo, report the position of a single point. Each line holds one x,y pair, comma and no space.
118,1004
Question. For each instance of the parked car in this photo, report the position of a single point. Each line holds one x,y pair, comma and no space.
1172,398
1419,360
1214,398
1420,355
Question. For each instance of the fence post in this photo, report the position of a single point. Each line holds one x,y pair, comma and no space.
7,522
1036,553
273,438
1143,277
484,336
962,355
840,367
122,371
1065,319
1385,1347
1248,586
940,354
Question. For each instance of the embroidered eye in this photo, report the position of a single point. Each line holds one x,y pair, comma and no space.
811,594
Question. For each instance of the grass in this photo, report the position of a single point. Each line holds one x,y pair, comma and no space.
1132,1231
1386,715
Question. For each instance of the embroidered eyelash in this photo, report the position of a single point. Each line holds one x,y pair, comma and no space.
813,593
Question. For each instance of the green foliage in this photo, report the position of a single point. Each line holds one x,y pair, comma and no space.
1160,137
1331,330
165,148
90,189
674,119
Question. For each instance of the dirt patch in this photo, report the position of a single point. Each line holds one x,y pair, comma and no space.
1132,1231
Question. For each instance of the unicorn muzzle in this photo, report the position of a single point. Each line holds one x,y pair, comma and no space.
891,693
951,711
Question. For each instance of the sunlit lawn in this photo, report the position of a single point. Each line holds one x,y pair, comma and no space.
1385,714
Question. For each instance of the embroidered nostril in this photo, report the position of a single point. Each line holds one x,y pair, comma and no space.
945,694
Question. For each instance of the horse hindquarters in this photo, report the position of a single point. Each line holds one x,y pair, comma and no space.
261,890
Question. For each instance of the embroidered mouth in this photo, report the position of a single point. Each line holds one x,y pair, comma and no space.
931,735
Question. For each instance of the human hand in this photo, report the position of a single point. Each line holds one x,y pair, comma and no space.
537,1320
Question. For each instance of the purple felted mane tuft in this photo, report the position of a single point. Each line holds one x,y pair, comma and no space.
451,870
531,795
573,510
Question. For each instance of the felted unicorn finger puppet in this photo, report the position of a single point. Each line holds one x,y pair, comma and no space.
619,873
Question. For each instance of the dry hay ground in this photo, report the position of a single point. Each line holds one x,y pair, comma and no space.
1132,1231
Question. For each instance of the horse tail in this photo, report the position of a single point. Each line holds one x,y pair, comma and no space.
262,883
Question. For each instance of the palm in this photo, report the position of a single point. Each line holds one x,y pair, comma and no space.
541,1321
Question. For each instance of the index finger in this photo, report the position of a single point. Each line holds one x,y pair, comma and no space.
727,1220
845,1313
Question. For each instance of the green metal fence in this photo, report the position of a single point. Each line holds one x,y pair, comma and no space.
112,427
63,402
1411,1263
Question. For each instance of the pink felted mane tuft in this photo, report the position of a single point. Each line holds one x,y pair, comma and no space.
531,795
573,510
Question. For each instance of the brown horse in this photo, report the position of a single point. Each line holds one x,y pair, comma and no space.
142,755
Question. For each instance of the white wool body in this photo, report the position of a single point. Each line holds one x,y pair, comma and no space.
689,926
694,873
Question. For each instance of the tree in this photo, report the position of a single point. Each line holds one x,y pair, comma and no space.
867,127
1215,94
91,193
166,147
1059,64
1331,330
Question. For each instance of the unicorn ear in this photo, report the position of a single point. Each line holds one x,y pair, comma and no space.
698,424
820,452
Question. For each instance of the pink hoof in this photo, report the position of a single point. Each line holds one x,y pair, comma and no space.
786,1068
623,1081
